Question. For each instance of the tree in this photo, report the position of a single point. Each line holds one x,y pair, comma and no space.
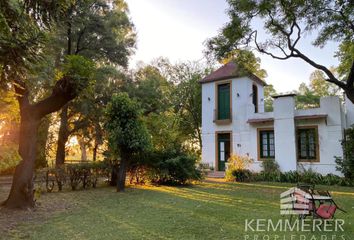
286,22
309,95
24,27
127,135
151,89
247,62
269,92
187,98
99,30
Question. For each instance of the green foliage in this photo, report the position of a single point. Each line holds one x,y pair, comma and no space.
151,89
126,131
80,70
270,166
345,164
278,18
173,167
304,176
269,91
247,63
237,165
100,30
283,26
9,158
241,175
345,55
187,99
308,96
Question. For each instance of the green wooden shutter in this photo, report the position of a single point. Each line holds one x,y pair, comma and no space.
224,101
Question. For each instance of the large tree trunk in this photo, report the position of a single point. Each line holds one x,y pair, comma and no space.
22,189
122,173
62,137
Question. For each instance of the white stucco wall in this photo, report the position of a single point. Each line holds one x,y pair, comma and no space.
330,134
244,135
242,108
284,132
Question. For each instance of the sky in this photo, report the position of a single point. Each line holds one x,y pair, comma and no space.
178,29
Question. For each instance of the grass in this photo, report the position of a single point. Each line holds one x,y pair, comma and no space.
209,210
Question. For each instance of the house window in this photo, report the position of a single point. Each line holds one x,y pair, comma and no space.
266,144
255,98
307,144
224,105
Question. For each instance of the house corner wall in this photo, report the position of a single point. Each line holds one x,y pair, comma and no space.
284,130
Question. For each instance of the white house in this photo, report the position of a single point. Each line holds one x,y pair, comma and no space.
234,121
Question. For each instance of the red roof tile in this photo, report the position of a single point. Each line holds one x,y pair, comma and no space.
227,71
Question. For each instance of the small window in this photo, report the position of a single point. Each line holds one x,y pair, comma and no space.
307,144
267,148
255,97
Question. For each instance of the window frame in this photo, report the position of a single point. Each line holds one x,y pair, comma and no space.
216,139
260,143
216,111
298,145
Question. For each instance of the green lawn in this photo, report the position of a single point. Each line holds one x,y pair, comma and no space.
209,210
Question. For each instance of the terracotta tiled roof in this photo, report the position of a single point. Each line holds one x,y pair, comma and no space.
227,71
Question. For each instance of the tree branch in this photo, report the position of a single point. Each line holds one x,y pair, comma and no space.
331,77
63,92
350,80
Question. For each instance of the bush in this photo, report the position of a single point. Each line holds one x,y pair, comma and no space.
236,166
304,176
311,177
242,175
270,166
270,171
290,177
173,168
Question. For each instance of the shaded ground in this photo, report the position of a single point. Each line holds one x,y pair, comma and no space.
48,205
209,210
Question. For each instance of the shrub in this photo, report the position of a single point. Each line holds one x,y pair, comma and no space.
242,175
290,177
304,176
173,168
270,171
311,177
235,166
270,166
345,164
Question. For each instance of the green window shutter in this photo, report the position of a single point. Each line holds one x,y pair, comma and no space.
224,101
